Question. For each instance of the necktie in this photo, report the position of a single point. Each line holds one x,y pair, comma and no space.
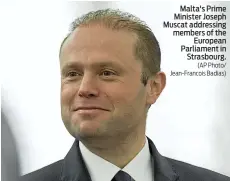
122,176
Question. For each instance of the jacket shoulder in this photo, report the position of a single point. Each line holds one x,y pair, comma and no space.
51,172
190,172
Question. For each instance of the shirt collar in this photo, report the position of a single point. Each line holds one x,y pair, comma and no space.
139,168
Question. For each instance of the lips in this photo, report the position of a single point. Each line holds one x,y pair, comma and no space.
90,108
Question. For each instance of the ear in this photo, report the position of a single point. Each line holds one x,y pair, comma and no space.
155,86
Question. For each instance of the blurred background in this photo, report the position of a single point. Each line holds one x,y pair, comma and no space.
190,122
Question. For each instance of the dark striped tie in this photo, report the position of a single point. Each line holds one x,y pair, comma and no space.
122,176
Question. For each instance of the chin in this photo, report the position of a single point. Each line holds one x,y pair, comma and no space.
88,128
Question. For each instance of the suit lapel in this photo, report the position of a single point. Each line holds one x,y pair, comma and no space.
162,170
74,168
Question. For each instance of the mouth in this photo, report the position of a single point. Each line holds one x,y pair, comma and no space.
90,109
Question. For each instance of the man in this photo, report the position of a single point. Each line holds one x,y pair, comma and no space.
110,76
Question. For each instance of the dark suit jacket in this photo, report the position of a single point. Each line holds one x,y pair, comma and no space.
72,168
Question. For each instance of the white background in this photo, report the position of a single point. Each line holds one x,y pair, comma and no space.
190,121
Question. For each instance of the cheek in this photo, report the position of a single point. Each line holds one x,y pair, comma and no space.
67,93
123,95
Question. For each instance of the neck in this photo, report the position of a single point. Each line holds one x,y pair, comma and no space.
118,150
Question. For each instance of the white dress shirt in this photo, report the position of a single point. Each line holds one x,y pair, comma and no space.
140,168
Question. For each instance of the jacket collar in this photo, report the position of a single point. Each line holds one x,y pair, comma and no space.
74,168
162,169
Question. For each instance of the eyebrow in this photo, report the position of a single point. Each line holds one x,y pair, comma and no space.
96,65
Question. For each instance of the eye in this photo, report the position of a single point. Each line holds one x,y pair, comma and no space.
72,74
107,73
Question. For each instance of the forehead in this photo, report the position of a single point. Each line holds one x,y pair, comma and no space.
99,39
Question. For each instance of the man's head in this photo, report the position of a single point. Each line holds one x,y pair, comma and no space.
110,69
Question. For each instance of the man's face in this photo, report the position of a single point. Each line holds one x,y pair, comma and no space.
101,91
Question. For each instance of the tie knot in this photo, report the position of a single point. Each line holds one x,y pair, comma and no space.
122,176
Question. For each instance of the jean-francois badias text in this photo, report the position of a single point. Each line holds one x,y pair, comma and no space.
205,25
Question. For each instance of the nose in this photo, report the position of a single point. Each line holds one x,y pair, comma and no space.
88,87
